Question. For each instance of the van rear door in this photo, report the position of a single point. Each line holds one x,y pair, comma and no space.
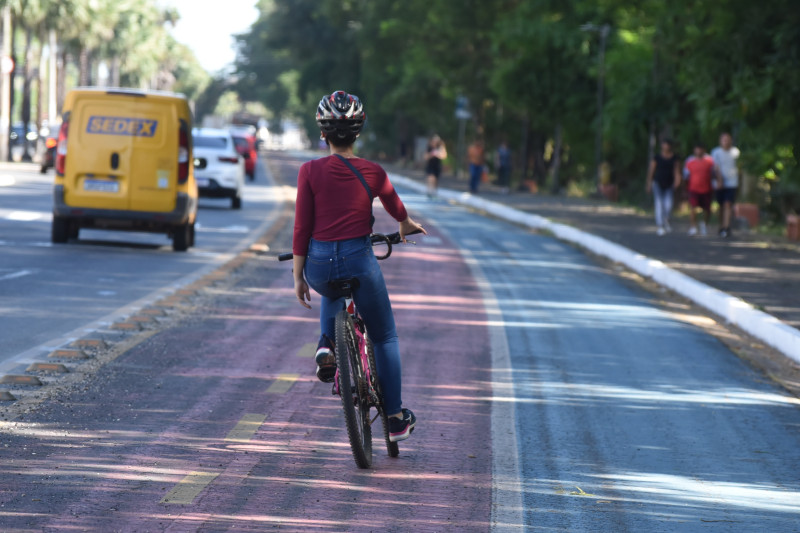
99,161
155,164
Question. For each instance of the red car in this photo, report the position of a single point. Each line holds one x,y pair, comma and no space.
246,146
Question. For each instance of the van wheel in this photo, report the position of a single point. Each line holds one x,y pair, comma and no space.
181,237
236,202
192,234
59,232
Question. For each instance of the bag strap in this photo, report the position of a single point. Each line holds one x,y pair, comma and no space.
364,183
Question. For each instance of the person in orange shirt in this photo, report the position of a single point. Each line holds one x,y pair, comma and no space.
699,171
476,155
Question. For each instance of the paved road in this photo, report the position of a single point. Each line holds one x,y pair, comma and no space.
49,290
551,395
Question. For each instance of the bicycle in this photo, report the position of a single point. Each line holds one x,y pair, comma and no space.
356,371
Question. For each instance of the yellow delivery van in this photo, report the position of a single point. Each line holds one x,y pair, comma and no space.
124,162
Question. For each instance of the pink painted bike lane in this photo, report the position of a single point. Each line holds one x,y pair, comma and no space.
219,423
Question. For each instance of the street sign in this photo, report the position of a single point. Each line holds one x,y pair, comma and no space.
463,114
6,65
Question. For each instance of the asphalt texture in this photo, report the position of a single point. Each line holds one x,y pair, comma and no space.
48,290
627,417
763,270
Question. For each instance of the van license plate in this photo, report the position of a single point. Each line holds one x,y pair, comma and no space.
203,182
101,186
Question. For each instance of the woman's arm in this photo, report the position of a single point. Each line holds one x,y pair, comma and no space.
677,170
300,285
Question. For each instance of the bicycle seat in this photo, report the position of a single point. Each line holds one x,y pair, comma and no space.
344,287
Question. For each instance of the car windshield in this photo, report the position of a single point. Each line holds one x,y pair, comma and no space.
203,141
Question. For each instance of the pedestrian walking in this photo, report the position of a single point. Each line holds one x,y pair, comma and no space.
476,155
726,166
434,157
663,177
503,163
699,172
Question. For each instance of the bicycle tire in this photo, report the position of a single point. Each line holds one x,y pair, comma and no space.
351,391
391,447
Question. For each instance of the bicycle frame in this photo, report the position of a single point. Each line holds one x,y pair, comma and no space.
362,351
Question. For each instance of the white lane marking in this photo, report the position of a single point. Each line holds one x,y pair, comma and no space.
15,275
430,239
472,243
106,293
550,247
42,244
506,477
25,216
226,229
7,181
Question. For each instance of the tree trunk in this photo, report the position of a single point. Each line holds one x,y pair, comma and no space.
114,74
556,163
538,143
12,84
52,80
61,80
27,78
84,67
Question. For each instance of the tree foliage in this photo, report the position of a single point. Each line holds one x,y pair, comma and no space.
686,70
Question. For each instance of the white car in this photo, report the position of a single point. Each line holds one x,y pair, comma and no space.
218,167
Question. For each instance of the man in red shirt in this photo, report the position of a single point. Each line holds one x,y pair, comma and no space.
699,171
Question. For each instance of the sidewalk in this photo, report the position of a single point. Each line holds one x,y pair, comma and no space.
761,270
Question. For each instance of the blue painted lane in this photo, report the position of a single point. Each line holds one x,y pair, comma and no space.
629,418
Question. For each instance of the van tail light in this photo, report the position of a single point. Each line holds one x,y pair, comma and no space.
233,160
183,153
61,147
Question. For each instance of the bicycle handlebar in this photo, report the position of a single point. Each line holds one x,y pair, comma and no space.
375,238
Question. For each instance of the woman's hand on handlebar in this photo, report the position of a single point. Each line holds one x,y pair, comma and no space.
408,226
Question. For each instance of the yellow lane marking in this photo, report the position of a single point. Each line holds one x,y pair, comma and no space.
246,428
189,487
308,350
283,383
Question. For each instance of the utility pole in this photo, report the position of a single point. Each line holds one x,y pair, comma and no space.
5,92
604,31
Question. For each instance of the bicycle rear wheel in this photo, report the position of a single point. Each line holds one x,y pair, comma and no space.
391,447
353,390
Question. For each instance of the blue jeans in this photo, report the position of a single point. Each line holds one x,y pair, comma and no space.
662,197
475,174
353,258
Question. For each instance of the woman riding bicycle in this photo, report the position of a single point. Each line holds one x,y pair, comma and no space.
333,221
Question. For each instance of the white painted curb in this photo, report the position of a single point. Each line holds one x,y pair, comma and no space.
736,311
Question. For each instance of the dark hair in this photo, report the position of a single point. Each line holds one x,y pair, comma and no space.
341,139
700,144
669,142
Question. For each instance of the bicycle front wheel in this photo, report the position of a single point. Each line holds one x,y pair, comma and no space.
353,390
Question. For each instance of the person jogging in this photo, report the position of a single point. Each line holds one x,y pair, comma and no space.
333,221
435,155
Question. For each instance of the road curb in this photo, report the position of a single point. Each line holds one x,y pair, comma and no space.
734,310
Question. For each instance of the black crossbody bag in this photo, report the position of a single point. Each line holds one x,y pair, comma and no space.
364,183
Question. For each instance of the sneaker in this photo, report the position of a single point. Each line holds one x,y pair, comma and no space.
692,231
326,360
703,230
667,227
401,429
660,232
723,233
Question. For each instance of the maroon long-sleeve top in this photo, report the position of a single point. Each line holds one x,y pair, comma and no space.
332,204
